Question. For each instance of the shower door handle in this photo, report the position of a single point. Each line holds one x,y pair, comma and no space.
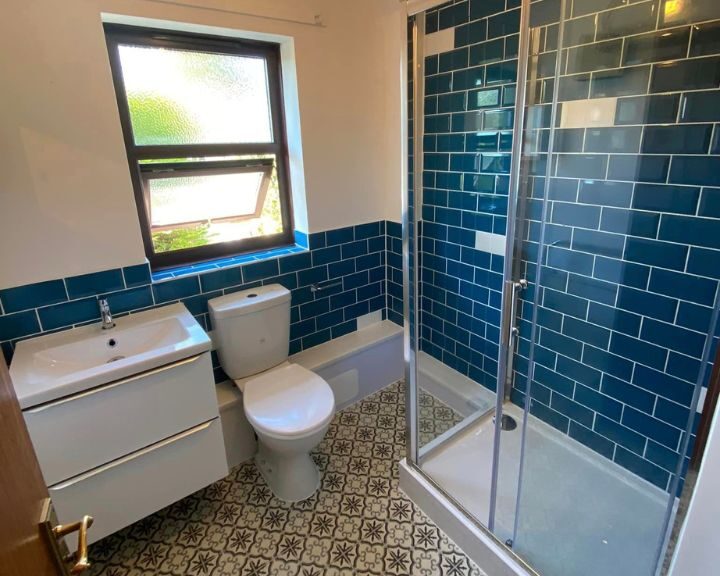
509,330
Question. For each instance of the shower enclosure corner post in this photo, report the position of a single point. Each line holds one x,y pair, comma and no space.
410,234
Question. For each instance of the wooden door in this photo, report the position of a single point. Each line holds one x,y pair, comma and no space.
24,550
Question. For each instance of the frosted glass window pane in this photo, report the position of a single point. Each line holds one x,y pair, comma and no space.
192,211
187,97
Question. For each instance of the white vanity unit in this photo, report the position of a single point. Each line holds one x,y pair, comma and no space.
124,421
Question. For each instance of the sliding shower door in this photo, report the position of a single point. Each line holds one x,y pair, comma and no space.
562,257
462,95
622,252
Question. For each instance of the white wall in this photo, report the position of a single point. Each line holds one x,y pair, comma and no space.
66,201
696,553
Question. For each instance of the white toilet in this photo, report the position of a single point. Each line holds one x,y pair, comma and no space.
289,407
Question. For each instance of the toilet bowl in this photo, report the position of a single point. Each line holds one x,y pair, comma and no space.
288,406
290,409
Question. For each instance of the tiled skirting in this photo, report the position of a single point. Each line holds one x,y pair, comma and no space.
358,265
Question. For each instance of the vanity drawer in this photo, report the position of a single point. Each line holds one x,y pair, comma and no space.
81,432
130,488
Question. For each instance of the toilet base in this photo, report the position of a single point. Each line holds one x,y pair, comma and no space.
291,477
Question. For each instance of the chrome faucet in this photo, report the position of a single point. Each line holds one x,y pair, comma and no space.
105,314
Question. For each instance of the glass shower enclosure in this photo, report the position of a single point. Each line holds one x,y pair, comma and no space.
562,260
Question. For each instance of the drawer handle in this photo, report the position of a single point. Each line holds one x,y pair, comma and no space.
111,385
129,457
80,557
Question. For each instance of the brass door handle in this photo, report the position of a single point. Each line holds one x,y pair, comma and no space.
79,559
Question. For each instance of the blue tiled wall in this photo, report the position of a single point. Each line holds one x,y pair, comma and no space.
627,287
469,99
359,264
633,222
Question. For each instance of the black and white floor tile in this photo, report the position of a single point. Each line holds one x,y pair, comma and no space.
358,523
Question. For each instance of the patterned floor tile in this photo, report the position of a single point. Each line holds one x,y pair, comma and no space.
358,523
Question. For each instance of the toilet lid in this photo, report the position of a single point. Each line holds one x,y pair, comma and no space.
288,401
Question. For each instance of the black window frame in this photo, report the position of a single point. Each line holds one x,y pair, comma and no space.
117,35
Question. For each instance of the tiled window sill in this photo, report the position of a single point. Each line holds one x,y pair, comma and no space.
223,263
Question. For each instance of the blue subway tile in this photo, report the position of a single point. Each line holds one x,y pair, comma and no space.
605,193
138,275
550,416
353,249
691,230
657,109
620,272
595,56
680,75
695,170
657,253
710,203
344,328
683,286
69,313
221,279
656,46
471,33
643,168
701,107
607,362
642,468
586,332
339,236
639,350
317,240
570,260
619,82
704,262
663,198
662,456
694,317
647,304
295,262
672,413
129,300
630,222
565,303
176,289
326,256
32,295
453,60
581,215
628,394
504,23
591,439
576,412
312,275
482,8
20,324
260,270
619,434
650,427
600,243
614,318
663,384
673,337
677,139
95,283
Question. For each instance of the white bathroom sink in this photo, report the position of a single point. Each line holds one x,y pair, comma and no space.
56,365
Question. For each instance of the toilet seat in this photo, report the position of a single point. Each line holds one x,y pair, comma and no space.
288,401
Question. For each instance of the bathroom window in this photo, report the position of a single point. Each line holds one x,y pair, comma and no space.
204,131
